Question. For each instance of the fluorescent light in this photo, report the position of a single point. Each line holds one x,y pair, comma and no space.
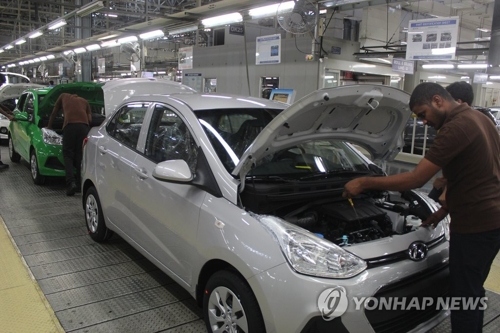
222,20
437,77
36,34
8,47
441,66
152,34
51,56
36,60
43,58
161,73
20,41
90,8
472,66
363,66
385,60
483,30
127,39
183,30
31,61
57,24
494,77
467,77
111,15
110,43
2,50
270,10
68,52
79,50
93,47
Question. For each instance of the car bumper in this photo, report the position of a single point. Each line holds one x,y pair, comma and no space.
289,301
50,160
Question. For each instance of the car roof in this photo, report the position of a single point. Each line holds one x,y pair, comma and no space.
217,101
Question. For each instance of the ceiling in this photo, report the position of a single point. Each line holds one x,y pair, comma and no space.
20,17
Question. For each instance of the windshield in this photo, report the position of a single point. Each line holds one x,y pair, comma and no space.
231,132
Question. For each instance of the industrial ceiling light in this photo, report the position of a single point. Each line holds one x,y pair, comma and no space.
183,30
494,77
79,50
20,41
472,66
110,43
51,56
270,9
35,34
152,34
222,20
438,66
107,37
2,50
57,24
8,47
93,47
90,8
43,58
68,52
127,39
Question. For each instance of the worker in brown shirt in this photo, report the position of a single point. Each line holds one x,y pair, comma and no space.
77,118
467,148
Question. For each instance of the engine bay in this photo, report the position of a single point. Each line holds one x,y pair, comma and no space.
368,217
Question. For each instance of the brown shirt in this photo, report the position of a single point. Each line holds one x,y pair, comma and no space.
75,108
467,147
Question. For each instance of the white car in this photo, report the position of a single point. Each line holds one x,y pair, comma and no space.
239,200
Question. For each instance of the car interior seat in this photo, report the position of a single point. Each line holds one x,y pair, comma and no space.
245,135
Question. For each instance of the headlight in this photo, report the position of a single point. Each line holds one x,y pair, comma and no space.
311,255
50,137
446,227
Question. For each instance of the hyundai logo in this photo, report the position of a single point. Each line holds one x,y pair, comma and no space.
417,251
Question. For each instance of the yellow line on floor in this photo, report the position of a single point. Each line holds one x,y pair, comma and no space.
493,281
23,306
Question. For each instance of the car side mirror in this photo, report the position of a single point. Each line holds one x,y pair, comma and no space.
173,170
21,116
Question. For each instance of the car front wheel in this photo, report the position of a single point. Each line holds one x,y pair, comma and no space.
14,157
94,217
229,305
38,179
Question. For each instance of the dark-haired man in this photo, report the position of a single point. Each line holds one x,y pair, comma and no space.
467,148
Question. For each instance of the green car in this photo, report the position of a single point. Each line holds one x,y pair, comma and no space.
40,146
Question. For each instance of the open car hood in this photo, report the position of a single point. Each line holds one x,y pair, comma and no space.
92,92
372,116
15,90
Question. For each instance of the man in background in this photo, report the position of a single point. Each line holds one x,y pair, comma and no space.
77,118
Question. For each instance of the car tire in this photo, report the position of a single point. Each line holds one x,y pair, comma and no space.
38,179
94,217
225,293
14,157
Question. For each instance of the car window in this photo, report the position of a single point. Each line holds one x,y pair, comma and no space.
22,100
127,123
170,139
29,107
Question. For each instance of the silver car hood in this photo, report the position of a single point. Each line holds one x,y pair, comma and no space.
14,90
372,116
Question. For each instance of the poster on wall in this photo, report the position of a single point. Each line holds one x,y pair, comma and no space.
185,58
432,39
194,80
268,50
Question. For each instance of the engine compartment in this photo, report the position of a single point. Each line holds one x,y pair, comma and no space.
324,212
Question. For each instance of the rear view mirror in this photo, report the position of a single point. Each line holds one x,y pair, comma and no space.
21,116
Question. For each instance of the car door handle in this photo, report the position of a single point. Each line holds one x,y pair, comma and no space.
142,173
103,150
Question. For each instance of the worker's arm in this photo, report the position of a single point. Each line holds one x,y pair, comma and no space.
5,112
89,114
53,115
416,178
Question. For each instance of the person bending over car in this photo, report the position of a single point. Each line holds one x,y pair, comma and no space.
77,118
467,148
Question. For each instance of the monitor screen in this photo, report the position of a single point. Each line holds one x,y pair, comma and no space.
282,95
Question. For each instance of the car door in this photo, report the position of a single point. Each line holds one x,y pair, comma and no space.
166,214
21,135
115,162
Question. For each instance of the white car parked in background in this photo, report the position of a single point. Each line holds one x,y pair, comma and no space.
239,200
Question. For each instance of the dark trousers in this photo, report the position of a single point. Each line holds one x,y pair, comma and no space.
471,256
73,135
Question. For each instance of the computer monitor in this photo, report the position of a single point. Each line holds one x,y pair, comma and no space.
282,95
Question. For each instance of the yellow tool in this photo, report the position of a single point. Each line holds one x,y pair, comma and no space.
354,209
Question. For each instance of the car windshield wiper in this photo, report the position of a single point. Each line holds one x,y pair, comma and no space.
342,173
272,178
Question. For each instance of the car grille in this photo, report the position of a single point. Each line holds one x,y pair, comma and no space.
398,256
54,163
430,283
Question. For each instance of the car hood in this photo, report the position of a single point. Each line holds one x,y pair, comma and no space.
116,91
91,91
15,90
371,116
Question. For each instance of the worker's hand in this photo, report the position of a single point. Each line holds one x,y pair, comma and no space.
10,117
434,219
439,183
353,188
